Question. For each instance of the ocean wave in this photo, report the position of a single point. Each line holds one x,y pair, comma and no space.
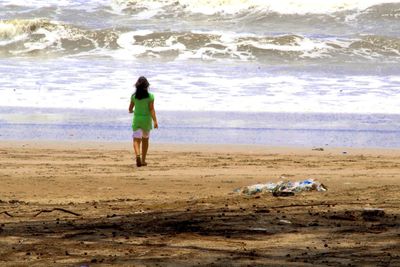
12,28
258,17
386,11
240,6
40,37
149,8
49,3
32,37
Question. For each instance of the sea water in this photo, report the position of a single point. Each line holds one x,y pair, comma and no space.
226,71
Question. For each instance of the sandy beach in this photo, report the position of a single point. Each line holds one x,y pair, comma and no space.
86,204
247,93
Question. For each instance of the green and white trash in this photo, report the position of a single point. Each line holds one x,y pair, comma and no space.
283,188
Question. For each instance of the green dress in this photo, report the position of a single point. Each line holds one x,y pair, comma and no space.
142,116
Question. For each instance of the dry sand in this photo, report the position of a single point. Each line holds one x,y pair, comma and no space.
80,204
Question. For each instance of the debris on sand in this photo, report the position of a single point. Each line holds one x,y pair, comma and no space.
283,188
371,214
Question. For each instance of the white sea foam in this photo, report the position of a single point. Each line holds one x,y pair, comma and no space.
48,3
16,30
35,3
7,30
10,34
309,48
127,42
65,39
71,84
129,47
13,28
237,6
41,35
223,45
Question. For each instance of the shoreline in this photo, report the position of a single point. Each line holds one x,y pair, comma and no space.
186,147
229,128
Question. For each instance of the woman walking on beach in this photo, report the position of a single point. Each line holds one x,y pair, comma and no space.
142,105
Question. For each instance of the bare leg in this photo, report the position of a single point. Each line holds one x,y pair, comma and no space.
145,147
136,147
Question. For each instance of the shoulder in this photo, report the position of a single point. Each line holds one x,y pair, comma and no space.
151,96
133,97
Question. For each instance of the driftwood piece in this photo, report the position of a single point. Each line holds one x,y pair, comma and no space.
316,204
6,213
304,205
59,209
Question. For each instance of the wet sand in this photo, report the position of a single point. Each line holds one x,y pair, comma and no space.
75,204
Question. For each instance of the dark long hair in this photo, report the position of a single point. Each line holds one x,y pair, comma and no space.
141,88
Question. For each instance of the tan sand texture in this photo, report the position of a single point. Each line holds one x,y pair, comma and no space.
79,204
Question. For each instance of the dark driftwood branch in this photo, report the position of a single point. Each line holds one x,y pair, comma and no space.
59,209
6,213
315,204
304,205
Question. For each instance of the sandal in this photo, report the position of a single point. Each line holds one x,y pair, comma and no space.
138,161
144,163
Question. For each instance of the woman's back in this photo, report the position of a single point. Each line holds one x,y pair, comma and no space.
142,105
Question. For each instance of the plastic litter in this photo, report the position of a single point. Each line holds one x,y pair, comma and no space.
283,188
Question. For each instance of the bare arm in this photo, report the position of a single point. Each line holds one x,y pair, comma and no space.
131,106
153,114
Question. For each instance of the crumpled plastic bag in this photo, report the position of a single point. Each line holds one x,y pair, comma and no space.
284,186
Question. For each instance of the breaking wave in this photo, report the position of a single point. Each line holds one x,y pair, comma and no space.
41,37
152,7
208,7
33,37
